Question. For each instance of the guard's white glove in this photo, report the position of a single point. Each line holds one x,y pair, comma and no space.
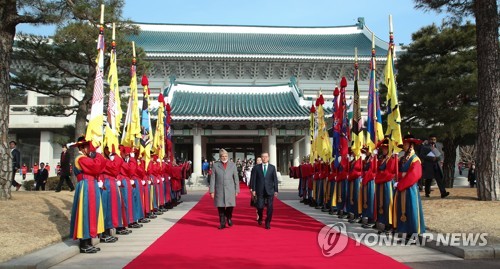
143,182
396,184
149,182
132,182
375,151
119,183
132,154
100,184
98,150
157,181
112,157
162,179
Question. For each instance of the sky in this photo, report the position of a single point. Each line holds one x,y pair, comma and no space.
406,19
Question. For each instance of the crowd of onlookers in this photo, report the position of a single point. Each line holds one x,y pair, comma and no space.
244,168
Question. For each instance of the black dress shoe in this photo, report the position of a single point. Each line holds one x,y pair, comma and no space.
229,222
88,249
444,195
427,195
259,222
108,239
268,226
58,190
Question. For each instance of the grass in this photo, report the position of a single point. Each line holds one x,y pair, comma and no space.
461,212
33,220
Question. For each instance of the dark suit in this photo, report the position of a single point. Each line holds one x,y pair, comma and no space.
41,179
65,171
431,169
16,164
265,186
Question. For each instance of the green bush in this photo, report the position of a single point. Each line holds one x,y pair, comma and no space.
51,184
29,185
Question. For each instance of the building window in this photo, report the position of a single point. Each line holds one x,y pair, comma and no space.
45,100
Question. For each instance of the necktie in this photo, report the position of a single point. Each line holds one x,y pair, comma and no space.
265,169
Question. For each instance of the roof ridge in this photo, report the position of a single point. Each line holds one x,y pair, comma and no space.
248,25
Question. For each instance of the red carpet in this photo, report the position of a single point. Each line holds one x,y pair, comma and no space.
195,242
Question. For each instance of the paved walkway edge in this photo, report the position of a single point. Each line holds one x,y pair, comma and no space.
44,258
465,252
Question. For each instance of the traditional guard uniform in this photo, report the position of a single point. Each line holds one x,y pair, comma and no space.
354,206
341,187
167,174
146,202
331,204
176,183
87,217
307,172
126,192
137,210
111,198
408,214
368,190
384,185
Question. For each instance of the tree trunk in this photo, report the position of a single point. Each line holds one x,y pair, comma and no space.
488,130
7,32
450,155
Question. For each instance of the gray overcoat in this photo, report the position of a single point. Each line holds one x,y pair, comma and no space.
225,184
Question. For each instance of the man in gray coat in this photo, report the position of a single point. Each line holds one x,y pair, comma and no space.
224,187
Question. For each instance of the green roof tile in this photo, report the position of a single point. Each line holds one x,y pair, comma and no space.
255,43
228,106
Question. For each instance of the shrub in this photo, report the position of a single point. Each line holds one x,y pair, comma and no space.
51,184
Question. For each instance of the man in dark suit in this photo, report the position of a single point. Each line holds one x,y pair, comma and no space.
41,177
64,171
16,163
265,187
432,156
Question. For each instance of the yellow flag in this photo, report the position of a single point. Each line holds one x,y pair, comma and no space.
323,145
132,127
393,113
159,138
312,153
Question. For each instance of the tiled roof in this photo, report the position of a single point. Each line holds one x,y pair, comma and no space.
237,104
297,42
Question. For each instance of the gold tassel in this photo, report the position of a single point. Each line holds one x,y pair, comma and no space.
381,199
403,206
365,196
351,185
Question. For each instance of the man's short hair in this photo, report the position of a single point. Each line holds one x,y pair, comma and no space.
13,142
432,135
42,164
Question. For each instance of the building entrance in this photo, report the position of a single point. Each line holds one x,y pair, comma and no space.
235,152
